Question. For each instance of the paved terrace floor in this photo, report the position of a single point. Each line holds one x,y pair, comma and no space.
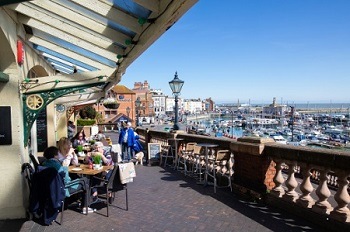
165,200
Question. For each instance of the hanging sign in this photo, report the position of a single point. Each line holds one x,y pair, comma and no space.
20,52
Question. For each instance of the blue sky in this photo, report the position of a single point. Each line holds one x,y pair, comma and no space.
294,50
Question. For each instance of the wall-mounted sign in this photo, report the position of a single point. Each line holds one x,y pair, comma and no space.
20,52
5,125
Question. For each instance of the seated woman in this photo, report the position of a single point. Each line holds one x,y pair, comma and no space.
106,160
72,186
66,154
79,139
98,151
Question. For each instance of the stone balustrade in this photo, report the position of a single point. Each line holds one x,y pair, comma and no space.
284,173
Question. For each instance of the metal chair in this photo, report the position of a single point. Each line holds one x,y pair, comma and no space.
223,166
34,179
184,155
166,152
34,161
108,186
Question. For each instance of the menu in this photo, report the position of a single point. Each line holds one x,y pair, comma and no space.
41,128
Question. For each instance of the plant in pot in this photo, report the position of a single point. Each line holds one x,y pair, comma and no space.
80,150
110,103
97,161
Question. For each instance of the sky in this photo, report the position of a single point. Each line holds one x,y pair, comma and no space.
253,50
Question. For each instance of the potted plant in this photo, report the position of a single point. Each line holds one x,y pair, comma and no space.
97,161
110,103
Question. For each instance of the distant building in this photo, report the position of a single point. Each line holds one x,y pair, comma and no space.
274,109
159,102
142,91
126,110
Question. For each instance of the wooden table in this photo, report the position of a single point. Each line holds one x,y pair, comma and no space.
85,170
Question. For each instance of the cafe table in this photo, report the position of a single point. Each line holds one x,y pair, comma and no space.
206,173
84,169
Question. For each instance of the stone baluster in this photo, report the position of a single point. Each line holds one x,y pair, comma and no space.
223,165
305,200
291,183
322,205
230,165
341,212
278,179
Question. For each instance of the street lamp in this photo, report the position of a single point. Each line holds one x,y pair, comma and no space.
137,104
232,123
176,86
292,121
128,111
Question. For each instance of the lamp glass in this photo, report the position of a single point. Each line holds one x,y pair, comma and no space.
176,84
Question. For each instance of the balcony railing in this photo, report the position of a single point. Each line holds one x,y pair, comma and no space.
315,181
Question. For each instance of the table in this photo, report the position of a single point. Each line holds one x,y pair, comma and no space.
85,170
206,173
176,145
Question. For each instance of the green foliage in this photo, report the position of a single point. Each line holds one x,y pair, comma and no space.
99,118
92,142
97,159
88,112
86,122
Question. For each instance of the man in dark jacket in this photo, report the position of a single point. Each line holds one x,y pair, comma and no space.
127,141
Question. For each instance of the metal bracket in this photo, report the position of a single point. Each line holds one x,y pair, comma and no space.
39,101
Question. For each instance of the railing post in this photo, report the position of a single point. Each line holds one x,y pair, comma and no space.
252,168
291,183
341,212
305,200
278,179
322,205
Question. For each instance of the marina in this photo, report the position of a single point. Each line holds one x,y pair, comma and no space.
328,128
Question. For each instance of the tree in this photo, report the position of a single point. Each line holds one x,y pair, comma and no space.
88,112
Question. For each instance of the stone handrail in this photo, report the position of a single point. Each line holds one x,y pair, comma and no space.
258,165
327,164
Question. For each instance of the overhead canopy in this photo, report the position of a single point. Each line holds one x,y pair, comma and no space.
89,36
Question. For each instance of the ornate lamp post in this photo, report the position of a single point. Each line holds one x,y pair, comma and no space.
128,111
137,104
176,86
292,121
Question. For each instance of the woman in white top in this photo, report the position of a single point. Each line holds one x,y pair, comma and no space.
66,154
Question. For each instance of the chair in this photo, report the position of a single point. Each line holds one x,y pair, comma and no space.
44,203
28,171
198,161
40,183
108,186
84,190
166,152
184,155
34,161
223,167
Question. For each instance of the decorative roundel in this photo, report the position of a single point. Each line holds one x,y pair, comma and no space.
60,108
34,102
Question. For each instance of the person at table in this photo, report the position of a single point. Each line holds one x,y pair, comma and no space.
99,151
71,130
100,136
52,154
66,153
79,139
127,141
